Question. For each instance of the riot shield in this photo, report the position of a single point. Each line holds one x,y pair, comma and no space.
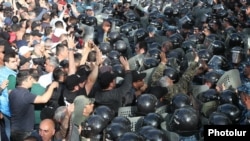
149,73
136,62
197,89
230,79
88,32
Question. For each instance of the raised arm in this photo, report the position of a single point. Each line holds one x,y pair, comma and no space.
158,73
47,95
85,51
71,48
94,73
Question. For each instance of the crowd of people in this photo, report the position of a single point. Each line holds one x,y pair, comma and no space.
122,70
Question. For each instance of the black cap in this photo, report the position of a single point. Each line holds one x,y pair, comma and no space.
106,78
136,75
23,60
74,80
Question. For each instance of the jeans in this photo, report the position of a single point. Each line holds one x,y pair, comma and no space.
7,126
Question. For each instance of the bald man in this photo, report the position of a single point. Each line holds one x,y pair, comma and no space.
47,129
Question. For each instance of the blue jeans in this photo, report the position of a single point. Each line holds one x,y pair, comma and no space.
7,126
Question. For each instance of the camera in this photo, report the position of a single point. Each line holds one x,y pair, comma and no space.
38,61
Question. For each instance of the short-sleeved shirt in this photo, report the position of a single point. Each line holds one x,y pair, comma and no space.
22,110
70,96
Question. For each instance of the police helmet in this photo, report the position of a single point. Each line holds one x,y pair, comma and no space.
218,62
172,73
146,103
168,12
120,46
170,28
151,29
188,46
232,111
155,15
118,22
209,95
105,47
82,18
108,10
217,47
150,62
154,45
222,13
91,21
174,63
115,62
144,129
176,10
212,77
114,55
206,17
114,36
158,4
122,120
106,62
105,112
140,34
118,70
130,136
209,39
193,38
177,53
237,54
93,126
152,119
176,39
126,28
136,26
204,55
155,135
131,17
185,121
244,88
228,96
233,20
155,53
235,39
152,8
218,118
179,100
114,130
156,24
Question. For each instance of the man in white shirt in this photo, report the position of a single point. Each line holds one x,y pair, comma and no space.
50,64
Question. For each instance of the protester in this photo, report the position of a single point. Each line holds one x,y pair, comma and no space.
23,110
181,46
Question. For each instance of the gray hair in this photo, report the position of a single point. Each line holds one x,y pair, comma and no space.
53,61
163,81
60,113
